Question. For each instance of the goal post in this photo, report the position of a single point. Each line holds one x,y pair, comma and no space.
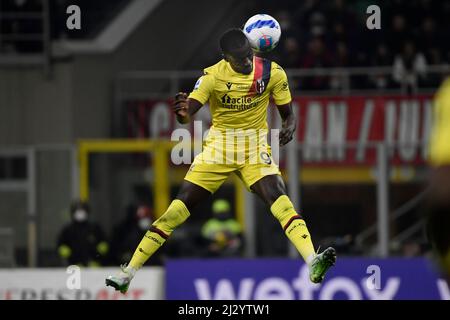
161,166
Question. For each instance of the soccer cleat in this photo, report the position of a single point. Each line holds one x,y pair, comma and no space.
122,281
320,265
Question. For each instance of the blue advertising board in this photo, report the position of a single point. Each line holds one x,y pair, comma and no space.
287,279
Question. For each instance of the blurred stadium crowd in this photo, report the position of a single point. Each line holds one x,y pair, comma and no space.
316,34
333,34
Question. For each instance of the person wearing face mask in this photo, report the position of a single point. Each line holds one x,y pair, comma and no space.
82,242
222,232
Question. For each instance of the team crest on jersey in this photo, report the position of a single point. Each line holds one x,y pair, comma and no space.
260,86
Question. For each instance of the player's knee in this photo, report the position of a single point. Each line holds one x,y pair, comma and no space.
175,215
275,191
184,197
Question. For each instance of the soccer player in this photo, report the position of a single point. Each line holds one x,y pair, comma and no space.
438,214
238,89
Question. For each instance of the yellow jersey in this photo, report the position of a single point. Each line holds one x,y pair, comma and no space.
440,137
239,101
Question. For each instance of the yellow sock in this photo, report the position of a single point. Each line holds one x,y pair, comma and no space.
160,231
294,227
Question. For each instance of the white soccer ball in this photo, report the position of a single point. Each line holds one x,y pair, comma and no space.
263,32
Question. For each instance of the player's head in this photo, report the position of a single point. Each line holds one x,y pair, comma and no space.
237,51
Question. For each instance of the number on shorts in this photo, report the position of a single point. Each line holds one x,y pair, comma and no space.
265,157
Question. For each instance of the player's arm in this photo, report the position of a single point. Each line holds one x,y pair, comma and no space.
185,107
282,97
289,123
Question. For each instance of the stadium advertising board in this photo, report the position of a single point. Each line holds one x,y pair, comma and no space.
335,121
286,279
69,284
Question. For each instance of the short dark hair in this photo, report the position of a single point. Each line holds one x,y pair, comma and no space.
233,40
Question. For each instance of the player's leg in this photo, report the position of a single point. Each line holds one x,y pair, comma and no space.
203,178
178,211
188,197
272,190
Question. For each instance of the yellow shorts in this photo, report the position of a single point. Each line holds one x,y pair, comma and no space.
211,176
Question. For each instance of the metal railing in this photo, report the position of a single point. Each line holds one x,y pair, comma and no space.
165,83
381,228
29,187
294,166
7,248
396,214
13,41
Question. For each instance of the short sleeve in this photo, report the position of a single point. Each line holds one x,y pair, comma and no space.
280,92
203,88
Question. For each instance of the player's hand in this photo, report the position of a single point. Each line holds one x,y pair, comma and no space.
286,133
180,105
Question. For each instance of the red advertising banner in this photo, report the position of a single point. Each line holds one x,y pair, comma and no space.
360,121
348,126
